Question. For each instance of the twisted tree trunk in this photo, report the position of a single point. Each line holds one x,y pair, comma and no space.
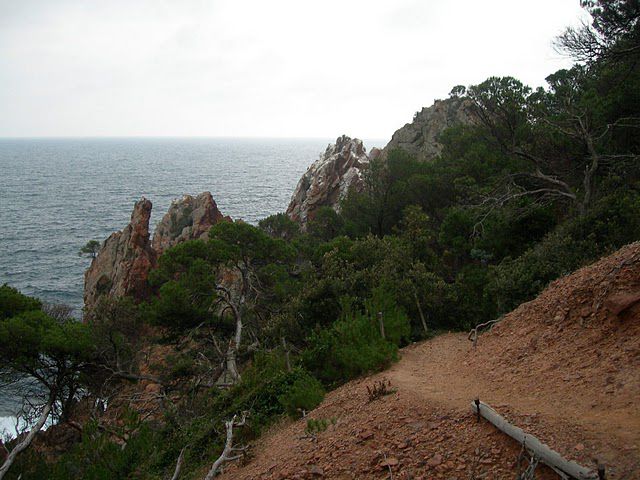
24,444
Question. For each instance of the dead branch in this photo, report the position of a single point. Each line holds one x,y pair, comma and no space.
541,451
473,334
226,455
24,444
176,472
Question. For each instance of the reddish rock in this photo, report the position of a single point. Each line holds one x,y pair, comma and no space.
617,304
124,261
188,218
435,460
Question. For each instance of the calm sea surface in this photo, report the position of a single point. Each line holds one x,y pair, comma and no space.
56,194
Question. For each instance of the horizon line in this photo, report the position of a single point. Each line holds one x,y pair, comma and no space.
225,137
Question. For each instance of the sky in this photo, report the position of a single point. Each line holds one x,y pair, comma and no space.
263,68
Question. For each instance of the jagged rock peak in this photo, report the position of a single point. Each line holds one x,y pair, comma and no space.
328,180
124,261
188,218
421,137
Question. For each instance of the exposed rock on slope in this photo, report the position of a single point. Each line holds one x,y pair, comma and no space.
582,331
124,261
421,136
188,218
328,179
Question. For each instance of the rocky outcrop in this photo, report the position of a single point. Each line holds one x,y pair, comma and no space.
124,261
421,137
188,218
329,179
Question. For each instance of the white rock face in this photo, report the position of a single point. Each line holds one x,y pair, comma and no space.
329,179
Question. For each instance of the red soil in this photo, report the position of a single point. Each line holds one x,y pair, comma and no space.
564,367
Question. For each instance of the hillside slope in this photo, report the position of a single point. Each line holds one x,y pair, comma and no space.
564,367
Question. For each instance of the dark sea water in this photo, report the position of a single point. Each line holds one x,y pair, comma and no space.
56,194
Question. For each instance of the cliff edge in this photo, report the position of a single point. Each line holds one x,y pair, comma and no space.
329,179
122,265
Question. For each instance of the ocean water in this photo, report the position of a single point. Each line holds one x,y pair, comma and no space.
56,194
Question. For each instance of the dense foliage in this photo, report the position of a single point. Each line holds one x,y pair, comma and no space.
263,319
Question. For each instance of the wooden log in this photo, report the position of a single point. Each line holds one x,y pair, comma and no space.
546,455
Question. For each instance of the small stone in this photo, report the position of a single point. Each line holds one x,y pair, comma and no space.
366,435
579,447
316,471
435,460
390,462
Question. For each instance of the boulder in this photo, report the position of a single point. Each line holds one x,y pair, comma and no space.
124,261
329,179
622,302
188,218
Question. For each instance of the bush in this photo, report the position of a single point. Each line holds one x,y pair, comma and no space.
305,393
612,223
353,346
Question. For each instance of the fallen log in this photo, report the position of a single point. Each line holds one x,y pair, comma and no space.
546,455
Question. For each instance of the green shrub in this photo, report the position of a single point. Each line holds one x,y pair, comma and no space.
318,426
613,222
304,394
354,346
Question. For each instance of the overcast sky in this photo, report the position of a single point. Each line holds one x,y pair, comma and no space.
274,68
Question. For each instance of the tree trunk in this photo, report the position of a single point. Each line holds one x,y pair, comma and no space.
176,472
24,444
590,170
422,319
381,325
232,364
226,455
286,355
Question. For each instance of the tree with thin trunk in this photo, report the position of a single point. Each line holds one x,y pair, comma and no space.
45,366
207,284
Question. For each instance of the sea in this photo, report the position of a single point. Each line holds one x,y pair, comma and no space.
57,194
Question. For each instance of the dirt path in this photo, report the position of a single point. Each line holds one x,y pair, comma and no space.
428,428
564,367
443,371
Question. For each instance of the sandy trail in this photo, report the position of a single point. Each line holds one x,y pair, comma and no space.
442,371
435,383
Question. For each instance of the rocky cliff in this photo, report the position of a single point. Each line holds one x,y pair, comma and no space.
340,168
124,261
421,137
188,218
329,179
126,257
